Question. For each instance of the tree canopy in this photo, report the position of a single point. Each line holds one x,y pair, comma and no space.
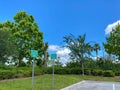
27,35
79,48
96,48
7,47
112,44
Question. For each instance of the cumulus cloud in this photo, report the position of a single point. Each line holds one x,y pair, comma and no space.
53,48
111,26
61,52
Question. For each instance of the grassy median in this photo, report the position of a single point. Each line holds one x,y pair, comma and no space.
44,82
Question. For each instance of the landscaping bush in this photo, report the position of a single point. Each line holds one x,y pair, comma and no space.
49,70
23,73
97,72
38,71
87,71
63,70
16,72
60,70
7,74
108,73
75,71
117,72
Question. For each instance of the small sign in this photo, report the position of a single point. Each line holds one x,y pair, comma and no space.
34,53
53,56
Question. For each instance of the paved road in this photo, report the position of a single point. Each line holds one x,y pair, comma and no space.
94,85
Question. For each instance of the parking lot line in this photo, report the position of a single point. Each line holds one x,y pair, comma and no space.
113,86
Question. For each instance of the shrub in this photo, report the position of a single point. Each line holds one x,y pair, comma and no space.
108,73
20,72
7,74
49,70
63,70
75,70
60,70
38,71
25,73
97,72
87,71
117,72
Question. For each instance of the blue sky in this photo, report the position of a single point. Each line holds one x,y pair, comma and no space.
57,18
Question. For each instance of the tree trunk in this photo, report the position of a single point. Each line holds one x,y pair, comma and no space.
96,55
19,61
82,68
45,59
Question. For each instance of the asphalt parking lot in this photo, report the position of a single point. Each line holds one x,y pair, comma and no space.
94,85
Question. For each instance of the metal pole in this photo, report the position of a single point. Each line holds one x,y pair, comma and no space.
53,76
33,74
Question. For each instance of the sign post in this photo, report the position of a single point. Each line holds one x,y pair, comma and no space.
53,57
34,54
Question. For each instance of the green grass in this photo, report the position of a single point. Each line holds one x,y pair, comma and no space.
44,82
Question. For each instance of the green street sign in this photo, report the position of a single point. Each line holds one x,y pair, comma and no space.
34,53
53,56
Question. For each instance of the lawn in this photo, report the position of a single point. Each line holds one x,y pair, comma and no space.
44,82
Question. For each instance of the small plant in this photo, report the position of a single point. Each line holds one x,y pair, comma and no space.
108,73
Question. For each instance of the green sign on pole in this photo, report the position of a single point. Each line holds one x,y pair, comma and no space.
34,53
53,56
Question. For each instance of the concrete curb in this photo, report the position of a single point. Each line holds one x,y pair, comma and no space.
68,88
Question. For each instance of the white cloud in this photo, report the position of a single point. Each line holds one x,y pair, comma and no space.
53,47
61,52
111,26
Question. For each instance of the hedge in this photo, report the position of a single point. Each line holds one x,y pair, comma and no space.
108,73
27,72
97,72
7,74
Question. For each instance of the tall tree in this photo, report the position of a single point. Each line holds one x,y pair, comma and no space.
96,48
7,47
79,48
27,35
112,44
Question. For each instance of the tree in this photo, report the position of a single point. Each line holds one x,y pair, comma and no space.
27,35
79,48
7,47
112,44
96,48
45,54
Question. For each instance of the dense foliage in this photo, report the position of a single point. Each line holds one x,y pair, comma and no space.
20,36
80,48
7,46
27,36
112,44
